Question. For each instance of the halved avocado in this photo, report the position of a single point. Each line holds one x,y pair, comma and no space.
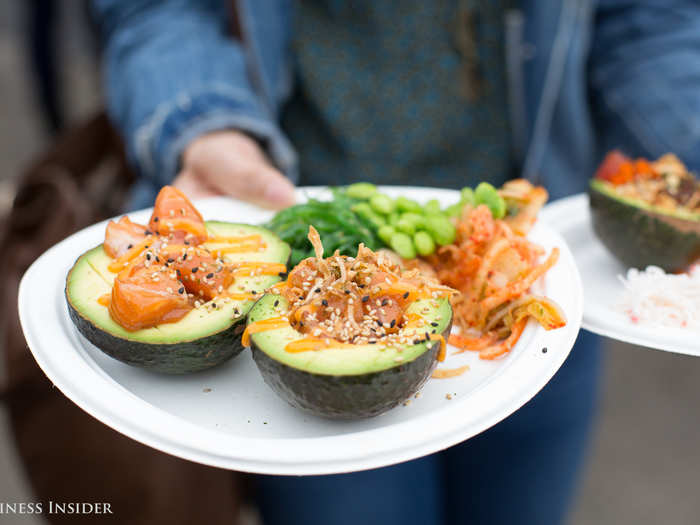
639,234
346,383
205,337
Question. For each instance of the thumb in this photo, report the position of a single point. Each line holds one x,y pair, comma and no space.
268,188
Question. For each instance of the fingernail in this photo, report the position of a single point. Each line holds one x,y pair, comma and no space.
279,194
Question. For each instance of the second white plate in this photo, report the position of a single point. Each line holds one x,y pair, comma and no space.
602,287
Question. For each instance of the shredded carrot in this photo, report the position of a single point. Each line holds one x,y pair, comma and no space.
470,343
105,299
492,352
443,346
222,239
446,373
308,344
273,323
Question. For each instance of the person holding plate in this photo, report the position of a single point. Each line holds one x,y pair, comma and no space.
248,99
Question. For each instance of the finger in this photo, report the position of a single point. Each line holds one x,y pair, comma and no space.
193,186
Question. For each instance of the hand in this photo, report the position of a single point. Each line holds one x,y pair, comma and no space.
231,163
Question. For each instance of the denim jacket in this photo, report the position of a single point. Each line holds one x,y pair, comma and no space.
584,76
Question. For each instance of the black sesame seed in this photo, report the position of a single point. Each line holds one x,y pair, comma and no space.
253,292
181,290
347,292
544,350
210,275
416,341
148,232
277,302
361,285
155,219
213,305
148,256
194,270
178,272
171,260
427,336
187,243
283,275
301,324
130,247
393,323
380,323
434,330
324,302
317,290
157,259
405,296
365,298
433,323
372,342
184,257
385,301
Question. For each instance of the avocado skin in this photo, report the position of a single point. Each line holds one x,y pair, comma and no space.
348,396
175,358
639,238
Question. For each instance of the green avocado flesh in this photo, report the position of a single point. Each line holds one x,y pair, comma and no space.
639,235
203,338
346,383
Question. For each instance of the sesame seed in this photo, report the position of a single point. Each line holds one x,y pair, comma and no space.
155,219
433,323
324,302
181,290
277,302
194,270
210,275
365,298
130,247
405,296
393,323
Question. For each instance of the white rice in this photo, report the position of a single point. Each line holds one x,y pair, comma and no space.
653,297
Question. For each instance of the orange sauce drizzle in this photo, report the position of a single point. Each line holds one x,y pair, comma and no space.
104,299
273,323
314,343
119,263
245,269
443,346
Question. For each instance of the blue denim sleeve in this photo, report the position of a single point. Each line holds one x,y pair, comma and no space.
645,77
171,74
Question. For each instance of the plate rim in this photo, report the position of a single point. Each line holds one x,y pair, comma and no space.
187,449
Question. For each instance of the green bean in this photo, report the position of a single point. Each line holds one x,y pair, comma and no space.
385,233
361,190
406,226
432,207
404,204
440,229
486,194
403,245
424,243
382,203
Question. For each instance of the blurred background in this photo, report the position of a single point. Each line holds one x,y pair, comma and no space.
644,463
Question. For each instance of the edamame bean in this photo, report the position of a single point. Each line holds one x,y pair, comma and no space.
393,218
440,229
424,243
406,226
361,190
455,210
486,194
385,233
382,203
467,196
365,211
432,207
404,204
414,218
403,245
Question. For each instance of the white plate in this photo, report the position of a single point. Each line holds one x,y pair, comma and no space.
227,417
603,289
